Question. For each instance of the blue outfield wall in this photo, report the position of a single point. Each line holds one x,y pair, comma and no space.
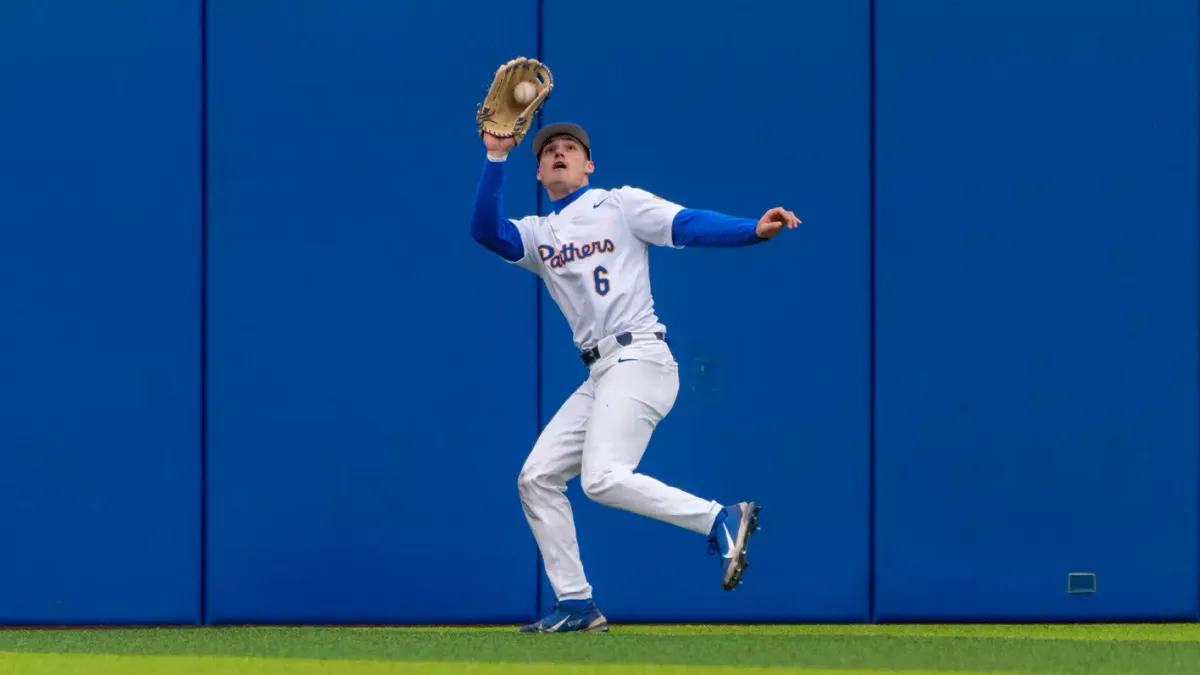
290,388
1036,316
100,287
371,371
772,341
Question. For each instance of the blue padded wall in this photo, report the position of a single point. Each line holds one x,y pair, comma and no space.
371,368
772,341
1037,310
375,379
99,312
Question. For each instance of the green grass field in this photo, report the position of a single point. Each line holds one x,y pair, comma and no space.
657,650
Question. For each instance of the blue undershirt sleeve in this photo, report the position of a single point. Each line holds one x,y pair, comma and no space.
700,228
488,226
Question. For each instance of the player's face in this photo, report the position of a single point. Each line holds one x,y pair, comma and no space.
564,165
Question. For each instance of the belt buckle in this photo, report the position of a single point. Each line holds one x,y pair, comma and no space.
590,356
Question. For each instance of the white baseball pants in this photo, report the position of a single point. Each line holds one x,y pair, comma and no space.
600,434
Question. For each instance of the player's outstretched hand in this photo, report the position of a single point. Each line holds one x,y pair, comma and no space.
497,147
775,220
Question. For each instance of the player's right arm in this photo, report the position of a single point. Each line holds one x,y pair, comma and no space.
489,227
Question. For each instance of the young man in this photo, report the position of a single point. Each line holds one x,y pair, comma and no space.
592,253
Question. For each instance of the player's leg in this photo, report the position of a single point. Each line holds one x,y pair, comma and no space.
633,394
542,484
632,397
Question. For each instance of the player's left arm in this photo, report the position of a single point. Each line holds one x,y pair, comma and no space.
665,223
697,227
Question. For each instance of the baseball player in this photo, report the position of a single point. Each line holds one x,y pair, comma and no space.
592,253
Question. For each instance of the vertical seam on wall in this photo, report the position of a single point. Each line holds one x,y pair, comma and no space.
1197,615
871,218
203,310
537,288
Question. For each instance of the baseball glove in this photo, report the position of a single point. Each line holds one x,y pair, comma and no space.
501,114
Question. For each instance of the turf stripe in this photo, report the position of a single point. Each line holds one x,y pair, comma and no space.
89,664
1173,632
1140,632
1082,650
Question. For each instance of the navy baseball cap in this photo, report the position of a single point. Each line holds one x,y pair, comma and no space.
561,129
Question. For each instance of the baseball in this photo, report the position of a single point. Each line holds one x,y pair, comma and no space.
524,92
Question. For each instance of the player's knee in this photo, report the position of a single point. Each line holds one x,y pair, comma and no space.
527,480
533,479
598,483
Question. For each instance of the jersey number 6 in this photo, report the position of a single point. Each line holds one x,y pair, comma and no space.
598,276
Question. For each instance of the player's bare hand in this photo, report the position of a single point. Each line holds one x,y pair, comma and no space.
774,221
497,147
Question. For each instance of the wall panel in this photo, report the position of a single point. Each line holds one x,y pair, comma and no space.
1037,310
99,312
371,368
772,341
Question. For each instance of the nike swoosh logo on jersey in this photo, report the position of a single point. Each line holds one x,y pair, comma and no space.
599,202
624,360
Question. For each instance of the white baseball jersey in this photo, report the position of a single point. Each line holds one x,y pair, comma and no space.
594,257
593,253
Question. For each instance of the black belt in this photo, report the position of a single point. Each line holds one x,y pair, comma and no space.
592,355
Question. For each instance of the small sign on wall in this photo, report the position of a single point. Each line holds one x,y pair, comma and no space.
1081,582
